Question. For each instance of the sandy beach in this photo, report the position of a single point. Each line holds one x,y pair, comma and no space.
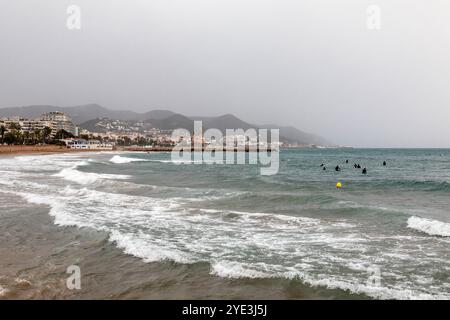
35,254
35,149
41,149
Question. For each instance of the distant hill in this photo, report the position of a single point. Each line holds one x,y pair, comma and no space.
27,112
172,122
92,125
83,113
226,121
157,114
88,117
287,134
295,135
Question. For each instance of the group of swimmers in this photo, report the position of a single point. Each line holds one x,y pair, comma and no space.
356,165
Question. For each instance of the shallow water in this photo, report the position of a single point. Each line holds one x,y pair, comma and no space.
383,235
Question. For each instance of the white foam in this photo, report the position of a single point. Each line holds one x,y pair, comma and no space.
74,175
431,227
154,230
138,247
39,163
237,244
236,270
120,160
284,219
22,282
3,291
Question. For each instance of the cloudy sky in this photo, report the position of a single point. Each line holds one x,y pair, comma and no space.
312,64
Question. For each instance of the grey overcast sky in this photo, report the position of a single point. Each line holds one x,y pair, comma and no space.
311,64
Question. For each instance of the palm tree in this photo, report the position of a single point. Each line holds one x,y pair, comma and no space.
2,132
46,132
37,135
26,137
14,126
16,135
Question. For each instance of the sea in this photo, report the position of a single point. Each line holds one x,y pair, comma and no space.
203,230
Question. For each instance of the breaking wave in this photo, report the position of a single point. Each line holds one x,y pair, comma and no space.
121,160
428,226
80,177
332,251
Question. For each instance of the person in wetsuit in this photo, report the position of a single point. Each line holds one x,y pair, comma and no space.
384,163
337,168
364,171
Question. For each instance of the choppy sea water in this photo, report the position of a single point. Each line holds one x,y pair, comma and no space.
383,235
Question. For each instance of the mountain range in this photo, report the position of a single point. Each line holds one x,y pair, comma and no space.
86,116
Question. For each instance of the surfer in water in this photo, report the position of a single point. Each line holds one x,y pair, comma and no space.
384,163
364,171
337,168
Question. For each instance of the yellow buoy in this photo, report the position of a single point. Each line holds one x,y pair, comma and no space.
338,185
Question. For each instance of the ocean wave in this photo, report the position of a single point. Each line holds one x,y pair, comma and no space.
278,221
431,227
236,270
332,252
74,175
419,185
154,230
138,247
179,162
40,163
121,160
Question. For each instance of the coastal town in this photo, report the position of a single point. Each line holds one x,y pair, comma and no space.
57,128
50,128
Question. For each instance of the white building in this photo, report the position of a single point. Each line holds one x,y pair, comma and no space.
59,121
54,120
87,145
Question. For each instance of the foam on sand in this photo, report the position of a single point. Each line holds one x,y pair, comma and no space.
3,291
155,229
187,225
429,226
147,251
236,270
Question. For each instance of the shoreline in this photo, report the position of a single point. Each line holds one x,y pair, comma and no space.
36,269
52,149
168,149
18,150
36,253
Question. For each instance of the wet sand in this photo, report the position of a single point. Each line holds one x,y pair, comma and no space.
44,149
35,254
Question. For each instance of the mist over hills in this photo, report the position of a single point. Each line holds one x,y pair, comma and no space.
87,116
83,113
